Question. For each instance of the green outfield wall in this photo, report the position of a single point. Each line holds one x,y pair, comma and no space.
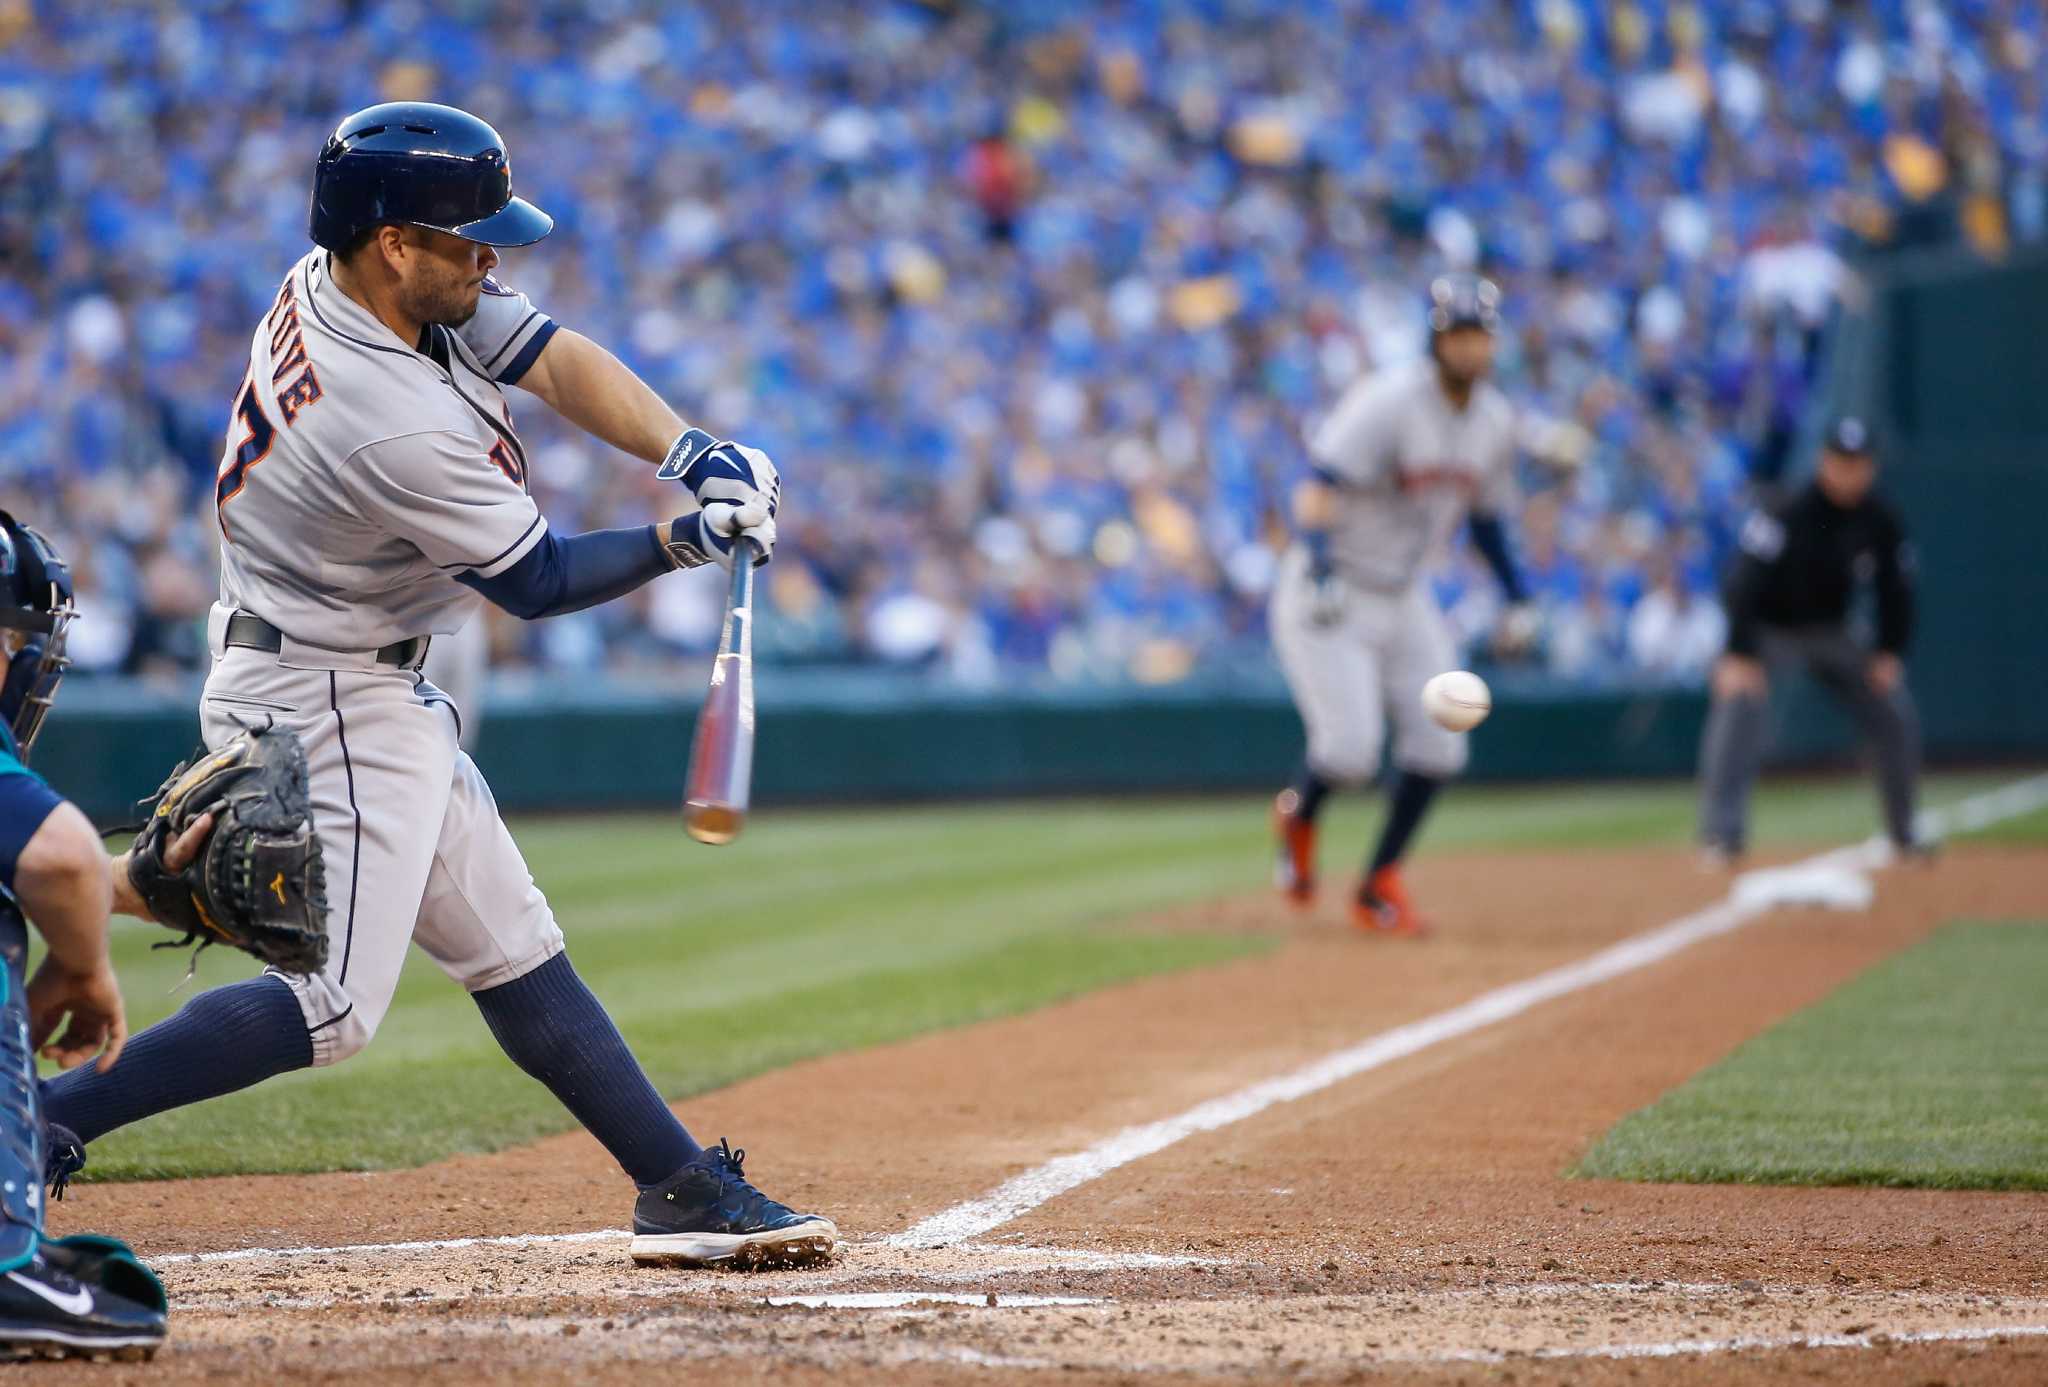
1947,361
586,750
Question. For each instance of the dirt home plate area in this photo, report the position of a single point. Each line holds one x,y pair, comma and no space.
1229,1174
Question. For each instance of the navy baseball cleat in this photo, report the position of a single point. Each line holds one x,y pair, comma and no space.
707,1213
81,1297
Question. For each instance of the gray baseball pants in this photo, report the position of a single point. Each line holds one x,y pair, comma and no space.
1738,732
1364,670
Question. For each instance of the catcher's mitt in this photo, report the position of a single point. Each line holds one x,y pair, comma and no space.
259,882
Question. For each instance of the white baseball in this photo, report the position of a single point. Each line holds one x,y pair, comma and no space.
1457,699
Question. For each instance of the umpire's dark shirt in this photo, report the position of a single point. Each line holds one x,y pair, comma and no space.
1802,561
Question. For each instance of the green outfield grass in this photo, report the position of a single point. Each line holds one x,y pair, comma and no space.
1930,1069
827,930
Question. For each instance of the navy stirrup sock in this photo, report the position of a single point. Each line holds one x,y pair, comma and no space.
1310,790
224,1039
551,1026
1405,808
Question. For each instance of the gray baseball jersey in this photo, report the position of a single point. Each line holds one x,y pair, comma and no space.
361,475
1409,466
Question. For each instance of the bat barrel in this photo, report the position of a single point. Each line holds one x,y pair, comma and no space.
720,780
713,824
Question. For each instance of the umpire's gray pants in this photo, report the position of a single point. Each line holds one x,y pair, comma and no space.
1738,730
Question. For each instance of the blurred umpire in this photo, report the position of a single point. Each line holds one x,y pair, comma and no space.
1788,594
83,1295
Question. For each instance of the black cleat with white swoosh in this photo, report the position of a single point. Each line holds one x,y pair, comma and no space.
60,1305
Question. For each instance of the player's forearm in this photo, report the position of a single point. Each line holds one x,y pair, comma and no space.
1742,602
1315,506
561,575
1895,597
126,901
1894,617
1315,510
599,393
63,886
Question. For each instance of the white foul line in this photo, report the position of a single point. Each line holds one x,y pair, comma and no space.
1020,1195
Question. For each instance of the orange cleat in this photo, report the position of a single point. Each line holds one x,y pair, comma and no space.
1383,907
1294,851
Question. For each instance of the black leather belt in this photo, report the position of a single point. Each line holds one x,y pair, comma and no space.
252,632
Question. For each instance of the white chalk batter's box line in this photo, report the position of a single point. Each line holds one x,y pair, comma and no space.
243,1254
1021,1257
988,1262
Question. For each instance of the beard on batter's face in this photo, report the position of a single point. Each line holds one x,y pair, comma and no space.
447,281
439,293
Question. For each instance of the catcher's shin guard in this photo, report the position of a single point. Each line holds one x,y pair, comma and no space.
21,1108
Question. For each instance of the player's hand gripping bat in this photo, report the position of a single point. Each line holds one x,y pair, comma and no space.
722,754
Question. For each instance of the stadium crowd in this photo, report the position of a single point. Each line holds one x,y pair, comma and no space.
1031,301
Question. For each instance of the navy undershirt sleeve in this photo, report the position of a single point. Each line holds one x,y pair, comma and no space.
1490,538
25,802
566,575
1317,542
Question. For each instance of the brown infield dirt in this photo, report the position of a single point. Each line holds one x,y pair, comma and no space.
1410,1223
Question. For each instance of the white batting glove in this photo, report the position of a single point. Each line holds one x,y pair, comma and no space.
709,535
1519,629
720,470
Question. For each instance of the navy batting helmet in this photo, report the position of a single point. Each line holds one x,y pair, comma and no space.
423,165
1463,301
35,597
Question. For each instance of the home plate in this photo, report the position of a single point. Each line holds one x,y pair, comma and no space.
897,1300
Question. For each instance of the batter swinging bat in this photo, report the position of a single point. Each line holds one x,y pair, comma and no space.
722,753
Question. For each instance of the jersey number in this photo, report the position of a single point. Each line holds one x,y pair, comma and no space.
254,447
508,462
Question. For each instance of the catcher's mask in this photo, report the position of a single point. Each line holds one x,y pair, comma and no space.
35,597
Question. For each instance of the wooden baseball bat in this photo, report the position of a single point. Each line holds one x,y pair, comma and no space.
720,780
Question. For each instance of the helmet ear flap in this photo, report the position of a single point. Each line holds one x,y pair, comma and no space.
31,688
35,598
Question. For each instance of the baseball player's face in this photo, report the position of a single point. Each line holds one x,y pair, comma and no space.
444,276
1466,353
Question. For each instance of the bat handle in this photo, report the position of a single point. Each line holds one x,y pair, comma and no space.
746,553
738,636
